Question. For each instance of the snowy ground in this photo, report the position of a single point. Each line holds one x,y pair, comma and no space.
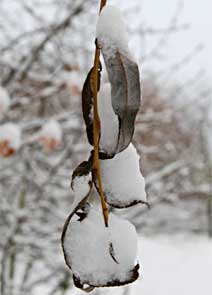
171,265
175,265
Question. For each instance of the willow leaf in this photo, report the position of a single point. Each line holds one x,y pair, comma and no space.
87,104
124,78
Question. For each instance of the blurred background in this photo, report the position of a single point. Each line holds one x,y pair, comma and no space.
46,50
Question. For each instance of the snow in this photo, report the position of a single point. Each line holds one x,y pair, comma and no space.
123,75
11,133
111,30
4,100
109,121
175,265
50,135
122,179
87,248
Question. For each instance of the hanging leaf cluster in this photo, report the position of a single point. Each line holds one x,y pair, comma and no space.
99,253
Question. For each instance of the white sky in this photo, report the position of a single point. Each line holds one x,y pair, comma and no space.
196,13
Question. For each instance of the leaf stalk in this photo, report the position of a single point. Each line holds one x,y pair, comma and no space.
96,127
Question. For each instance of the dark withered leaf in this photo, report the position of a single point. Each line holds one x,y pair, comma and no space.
123,74
81,215
87,103
85,286
117,203
78,284
123,205
83,169
112,253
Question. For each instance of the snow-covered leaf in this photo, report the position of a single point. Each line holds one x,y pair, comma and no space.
125,91
81,183
123,183
123,72
87,252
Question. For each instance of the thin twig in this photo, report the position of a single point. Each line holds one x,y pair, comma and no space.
96,127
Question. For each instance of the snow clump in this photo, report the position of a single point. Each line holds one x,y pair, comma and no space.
86,246
50,135
10,139
111,30
109,121
122,180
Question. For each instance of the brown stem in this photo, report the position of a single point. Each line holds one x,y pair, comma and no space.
96,128
103,3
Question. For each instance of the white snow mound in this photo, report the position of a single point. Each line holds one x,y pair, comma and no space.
111,30
122,179
109,121
86,245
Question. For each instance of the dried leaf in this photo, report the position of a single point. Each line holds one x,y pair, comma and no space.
84,288
83,169
124,78
123,75
87,103
112,253
81,185
132,277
